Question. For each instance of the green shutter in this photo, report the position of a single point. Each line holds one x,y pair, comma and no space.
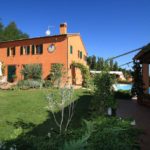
28,50
8,51
80,54
33,49
21,50
41,49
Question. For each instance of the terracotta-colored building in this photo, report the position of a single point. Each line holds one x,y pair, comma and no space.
63,48
144,58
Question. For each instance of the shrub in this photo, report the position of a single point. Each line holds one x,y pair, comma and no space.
85,73
104,95
101,133
30,83
56,73
121,94
106,134
32,71
47,83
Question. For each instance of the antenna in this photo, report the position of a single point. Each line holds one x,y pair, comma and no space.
48,32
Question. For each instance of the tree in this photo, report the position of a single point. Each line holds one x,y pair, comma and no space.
111,65
100,64
57,101
115,66
104,95
89,61
93,63
137,88
11,32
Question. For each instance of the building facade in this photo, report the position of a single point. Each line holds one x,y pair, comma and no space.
63,48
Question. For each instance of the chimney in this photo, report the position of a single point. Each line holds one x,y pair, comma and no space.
63,28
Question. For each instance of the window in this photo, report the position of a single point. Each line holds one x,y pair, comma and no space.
33,49
11,51
71,49
39,49
24,50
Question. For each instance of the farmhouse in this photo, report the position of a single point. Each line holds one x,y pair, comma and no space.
64,48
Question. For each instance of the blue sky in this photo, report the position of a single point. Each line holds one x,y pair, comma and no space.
108,27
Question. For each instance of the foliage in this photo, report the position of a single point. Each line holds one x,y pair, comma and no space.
65,98
32,71
57,73
47,84
11,32
3,68
81,143
137,88
100,63
122,94
85,73
30,83
103,96
112,134
106,134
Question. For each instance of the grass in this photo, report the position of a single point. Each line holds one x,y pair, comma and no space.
27,109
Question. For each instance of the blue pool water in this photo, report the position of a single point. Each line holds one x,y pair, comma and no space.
124,87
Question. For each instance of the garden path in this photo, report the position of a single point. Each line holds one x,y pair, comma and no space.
141,114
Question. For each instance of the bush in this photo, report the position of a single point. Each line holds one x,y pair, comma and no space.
122,94
101,133
106,134
104,95
47,84
30,83
56,74
32,71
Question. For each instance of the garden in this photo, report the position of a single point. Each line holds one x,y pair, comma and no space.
36,115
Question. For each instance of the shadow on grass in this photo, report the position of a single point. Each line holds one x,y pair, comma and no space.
82,106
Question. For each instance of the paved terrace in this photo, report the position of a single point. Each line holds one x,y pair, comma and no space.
141,114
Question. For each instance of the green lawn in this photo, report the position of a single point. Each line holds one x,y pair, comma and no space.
27,109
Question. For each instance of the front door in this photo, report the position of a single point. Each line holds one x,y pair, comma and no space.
11,72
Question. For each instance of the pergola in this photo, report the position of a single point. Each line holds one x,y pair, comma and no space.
144,58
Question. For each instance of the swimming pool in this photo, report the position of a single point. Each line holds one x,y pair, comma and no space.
124,87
